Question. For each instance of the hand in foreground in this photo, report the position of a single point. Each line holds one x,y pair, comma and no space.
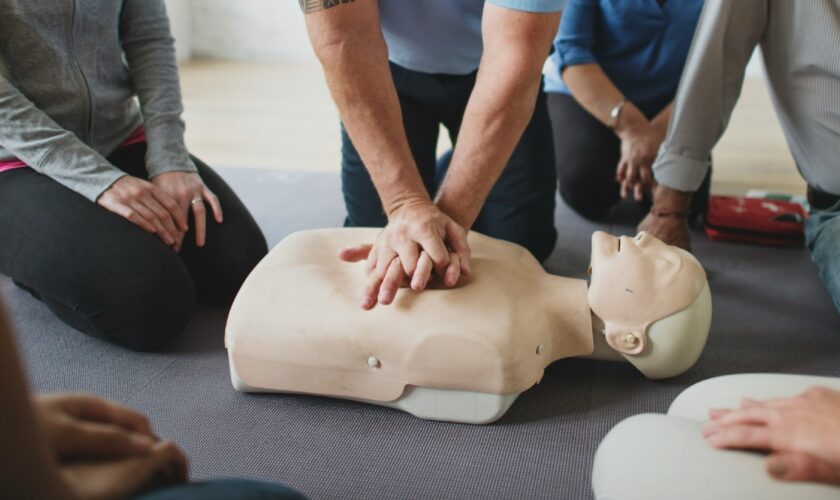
190,193
147,206
104,450
668,219
164,465
419,240
640,141
802,434
80,426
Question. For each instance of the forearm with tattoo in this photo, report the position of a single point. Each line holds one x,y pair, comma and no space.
309,6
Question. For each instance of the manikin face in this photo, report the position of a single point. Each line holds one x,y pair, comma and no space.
637,281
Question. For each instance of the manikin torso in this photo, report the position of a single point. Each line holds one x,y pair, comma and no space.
296,325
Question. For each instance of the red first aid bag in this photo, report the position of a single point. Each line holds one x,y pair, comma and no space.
755,220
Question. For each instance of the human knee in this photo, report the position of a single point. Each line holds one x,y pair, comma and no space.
589,201
538,238
152,311
251,249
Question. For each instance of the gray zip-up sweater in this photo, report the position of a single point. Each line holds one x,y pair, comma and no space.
70,73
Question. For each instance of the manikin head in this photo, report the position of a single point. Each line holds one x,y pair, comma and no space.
653,300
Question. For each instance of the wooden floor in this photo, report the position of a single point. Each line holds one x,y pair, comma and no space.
280,116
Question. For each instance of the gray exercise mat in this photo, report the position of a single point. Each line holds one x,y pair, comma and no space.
771,315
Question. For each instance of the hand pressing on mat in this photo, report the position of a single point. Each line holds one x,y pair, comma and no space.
103,449
802,434
418,240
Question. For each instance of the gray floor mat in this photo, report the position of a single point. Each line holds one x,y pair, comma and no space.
771,315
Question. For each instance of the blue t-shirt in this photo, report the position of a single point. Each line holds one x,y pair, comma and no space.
640,45
443,36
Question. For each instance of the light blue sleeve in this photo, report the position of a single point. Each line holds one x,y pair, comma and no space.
531,5
577,34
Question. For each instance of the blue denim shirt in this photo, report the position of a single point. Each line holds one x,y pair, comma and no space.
443,36
640,45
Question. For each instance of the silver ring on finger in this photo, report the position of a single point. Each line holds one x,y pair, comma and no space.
196,201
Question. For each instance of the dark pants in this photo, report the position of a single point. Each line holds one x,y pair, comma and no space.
238,489
520,207
107,277
587,153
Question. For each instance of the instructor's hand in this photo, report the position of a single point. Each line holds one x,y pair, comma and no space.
190,193
147,206
418,240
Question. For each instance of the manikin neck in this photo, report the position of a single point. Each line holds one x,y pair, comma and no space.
567,306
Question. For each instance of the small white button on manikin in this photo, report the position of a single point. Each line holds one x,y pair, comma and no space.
373,362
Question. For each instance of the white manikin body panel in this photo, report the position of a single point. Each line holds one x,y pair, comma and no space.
296,326
460,354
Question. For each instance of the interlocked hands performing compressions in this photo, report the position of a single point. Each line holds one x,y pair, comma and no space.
419,240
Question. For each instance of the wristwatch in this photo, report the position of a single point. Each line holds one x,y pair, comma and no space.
615,113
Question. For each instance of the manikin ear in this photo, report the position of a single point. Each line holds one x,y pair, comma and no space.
627,341
673,344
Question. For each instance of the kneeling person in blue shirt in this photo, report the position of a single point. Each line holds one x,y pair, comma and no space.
611,82
397,70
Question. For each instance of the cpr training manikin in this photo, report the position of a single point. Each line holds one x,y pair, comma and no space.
462,354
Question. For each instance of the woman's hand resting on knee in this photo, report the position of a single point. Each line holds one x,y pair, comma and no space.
147,206
105,450
802,434
190,193
162,206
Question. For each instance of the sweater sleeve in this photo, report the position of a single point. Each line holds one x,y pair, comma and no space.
36,139
726,36
150,53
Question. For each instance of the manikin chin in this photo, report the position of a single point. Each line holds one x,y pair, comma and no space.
461,354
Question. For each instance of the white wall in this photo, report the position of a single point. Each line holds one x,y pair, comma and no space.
252,30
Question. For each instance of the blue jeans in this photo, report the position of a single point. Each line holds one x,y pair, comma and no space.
519,208
822,234
240,489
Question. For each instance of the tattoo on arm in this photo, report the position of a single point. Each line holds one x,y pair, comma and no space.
309,6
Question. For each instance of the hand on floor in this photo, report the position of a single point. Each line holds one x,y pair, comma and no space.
419,240
802,434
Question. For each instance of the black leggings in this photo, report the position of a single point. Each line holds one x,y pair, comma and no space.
587,153
105,276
